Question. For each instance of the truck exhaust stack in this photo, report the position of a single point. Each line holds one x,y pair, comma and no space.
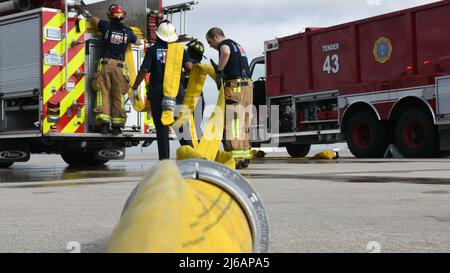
15,5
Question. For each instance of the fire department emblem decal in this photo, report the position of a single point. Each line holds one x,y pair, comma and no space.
382,50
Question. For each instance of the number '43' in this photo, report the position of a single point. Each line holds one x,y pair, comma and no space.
331,64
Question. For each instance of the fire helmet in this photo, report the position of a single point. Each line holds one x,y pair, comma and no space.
196,49
116,12
167,32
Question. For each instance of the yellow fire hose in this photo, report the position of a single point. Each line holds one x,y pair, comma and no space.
198,204
325,155
141,103
192,206
172,81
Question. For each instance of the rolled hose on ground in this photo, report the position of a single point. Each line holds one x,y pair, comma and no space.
192,206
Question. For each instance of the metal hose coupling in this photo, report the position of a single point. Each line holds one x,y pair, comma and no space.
237,187
169,104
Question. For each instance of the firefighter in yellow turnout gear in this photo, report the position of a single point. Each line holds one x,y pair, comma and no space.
233,71
112,80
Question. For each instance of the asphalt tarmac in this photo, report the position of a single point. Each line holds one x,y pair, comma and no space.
345,205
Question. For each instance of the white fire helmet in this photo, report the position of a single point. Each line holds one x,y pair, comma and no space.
167,32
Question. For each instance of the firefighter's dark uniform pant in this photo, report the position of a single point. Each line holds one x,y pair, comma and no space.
198,117
239,101
111,82
155,95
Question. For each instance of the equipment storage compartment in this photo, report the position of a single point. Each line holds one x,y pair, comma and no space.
20,114
20,73
20,54
317,112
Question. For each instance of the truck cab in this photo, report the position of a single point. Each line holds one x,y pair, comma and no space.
273,117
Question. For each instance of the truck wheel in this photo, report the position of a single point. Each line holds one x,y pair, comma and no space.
415,134
6,165
366,136
298,150
82,159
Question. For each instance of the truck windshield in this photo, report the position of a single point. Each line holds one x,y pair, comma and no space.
259,71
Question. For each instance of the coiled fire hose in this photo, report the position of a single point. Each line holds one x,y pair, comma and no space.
198,204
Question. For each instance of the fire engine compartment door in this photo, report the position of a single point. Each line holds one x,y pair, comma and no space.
443,99
20,57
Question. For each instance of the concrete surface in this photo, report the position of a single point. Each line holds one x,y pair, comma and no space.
347,205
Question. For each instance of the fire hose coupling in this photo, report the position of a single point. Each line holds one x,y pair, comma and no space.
169,104
80,7
237,187
87,14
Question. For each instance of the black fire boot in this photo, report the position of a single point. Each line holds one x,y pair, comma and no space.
103,129
116,131
246,163
241,164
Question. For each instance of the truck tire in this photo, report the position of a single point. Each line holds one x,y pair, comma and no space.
298,150
82,159
6,165
366,136
416,135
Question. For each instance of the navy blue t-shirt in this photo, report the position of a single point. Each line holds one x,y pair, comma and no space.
155,62
116,38
237,65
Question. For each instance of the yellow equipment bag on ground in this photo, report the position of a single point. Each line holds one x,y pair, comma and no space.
326,155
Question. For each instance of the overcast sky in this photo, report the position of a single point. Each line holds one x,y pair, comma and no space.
251,22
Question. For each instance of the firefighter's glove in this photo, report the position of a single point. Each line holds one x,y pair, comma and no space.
168,107
219,74
219,79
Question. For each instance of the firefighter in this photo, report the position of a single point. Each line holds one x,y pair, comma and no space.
195,50
112,80
154,63
234,73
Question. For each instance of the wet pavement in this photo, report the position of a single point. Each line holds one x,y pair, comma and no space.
314,206
45,172
54,169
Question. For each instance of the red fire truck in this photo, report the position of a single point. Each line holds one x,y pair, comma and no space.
48,56
373,82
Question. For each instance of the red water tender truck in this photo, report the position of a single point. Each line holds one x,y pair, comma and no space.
374,82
